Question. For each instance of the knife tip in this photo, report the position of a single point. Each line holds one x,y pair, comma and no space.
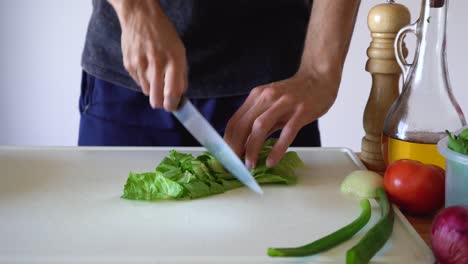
256,188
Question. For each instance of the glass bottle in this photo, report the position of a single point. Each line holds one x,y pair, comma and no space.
426,106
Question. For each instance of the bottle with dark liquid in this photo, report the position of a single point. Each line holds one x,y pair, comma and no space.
426,107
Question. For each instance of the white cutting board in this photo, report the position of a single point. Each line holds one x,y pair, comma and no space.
63,205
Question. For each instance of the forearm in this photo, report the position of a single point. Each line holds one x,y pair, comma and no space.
292,103
328,36
153,53
125,8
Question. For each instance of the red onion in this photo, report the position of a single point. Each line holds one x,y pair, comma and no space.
449,235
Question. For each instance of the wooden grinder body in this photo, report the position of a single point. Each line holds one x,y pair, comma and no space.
384,21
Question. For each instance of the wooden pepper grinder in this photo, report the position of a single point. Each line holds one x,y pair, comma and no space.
384,21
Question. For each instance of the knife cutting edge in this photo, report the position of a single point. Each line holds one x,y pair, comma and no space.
208,137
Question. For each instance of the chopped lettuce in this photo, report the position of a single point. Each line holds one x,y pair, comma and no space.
151,186
182,176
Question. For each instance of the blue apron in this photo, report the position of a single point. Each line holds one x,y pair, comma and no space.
112,115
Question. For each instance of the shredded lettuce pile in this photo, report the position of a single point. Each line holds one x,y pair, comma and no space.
182,176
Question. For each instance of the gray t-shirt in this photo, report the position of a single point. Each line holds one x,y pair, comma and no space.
231,46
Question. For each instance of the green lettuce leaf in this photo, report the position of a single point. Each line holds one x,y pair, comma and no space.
182,176
151,186
287,165
464,134
231,184
458,143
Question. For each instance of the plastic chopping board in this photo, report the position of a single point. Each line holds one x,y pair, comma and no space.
63,205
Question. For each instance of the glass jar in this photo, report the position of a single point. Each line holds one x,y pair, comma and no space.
426,106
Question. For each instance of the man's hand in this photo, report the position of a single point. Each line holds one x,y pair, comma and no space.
295,102
288,105
153,53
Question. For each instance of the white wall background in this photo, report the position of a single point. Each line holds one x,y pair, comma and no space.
40,49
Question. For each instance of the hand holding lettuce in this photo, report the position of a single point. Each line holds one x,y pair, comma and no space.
182,176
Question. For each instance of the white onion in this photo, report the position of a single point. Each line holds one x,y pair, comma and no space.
362,184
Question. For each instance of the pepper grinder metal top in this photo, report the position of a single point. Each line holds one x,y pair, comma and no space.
384,21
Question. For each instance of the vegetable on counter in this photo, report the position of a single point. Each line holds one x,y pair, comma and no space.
182,176
359,183
328,241
449,235
362,184
415,187
376,237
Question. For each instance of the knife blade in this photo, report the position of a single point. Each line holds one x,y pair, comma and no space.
208,137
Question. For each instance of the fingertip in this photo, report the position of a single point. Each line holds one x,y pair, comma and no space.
276,154
249,164
251,155
171,103
273,158
271,162
153,103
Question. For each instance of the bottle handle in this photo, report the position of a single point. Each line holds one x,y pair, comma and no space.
400,57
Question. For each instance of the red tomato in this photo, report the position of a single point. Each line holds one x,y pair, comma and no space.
415,187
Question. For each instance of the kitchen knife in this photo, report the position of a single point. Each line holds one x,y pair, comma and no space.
202,130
